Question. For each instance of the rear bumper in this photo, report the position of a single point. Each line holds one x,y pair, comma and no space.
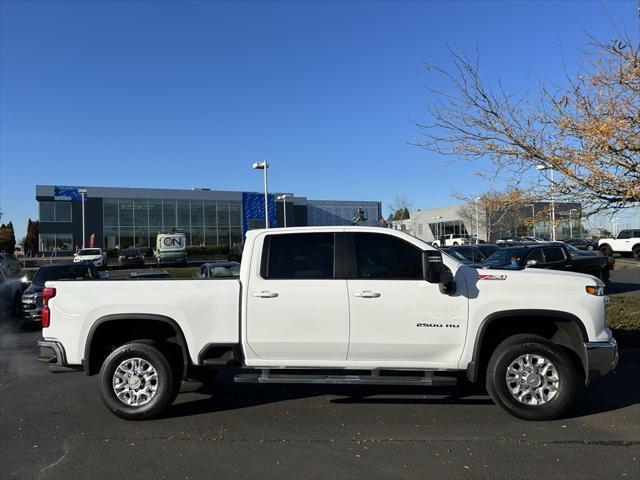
52,353
602,358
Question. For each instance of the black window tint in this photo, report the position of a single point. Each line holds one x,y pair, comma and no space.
383,256
300,255
536,255
553,254
624,234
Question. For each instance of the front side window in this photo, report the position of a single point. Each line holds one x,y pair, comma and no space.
554,254
536,255
624,234
386,257
301,255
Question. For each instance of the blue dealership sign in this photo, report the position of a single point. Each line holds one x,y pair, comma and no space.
253,210
67,193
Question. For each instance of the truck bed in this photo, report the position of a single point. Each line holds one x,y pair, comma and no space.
204,309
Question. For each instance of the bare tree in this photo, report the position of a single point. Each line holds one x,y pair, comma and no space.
587,130
499,213
400,207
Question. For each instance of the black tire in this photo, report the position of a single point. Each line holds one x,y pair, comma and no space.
165,386
606,250
507,353
635,252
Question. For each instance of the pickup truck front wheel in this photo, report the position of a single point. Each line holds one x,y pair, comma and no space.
531,378
137,382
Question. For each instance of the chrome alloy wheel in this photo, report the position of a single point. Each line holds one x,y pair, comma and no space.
532,379
135,382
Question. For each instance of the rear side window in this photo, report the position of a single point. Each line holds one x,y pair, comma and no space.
554,254
300,255
386,257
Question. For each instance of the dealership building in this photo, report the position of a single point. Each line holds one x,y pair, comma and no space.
124,217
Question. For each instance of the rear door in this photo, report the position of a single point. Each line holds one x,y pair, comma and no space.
297,310
396,316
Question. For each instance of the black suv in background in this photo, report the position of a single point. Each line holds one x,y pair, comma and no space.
552,256
32,296
131,257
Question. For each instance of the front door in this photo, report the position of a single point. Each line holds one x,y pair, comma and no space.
297,312
396,316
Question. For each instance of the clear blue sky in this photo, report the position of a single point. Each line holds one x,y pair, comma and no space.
188,94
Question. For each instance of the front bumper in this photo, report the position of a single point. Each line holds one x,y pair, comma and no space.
601,358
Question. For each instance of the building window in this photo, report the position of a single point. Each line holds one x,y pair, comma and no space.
126,212
169,214
55,211
110,212
54,242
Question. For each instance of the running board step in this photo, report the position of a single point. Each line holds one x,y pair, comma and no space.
426,380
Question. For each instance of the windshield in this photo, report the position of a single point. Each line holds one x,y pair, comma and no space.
89,251
62,272
503,256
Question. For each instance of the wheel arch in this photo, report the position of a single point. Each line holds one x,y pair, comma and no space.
107,330
562,328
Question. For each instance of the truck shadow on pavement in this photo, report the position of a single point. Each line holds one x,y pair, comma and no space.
610,393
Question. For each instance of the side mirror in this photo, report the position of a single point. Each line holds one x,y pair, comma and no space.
435,271
531,263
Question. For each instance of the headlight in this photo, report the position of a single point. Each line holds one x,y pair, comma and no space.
598,291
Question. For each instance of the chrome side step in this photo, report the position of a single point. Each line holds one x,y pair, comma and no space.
428,379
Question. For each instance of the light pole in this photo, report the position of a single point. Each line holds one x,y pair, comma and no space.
82,192
264,166
284,197
437,228
477,222
553,203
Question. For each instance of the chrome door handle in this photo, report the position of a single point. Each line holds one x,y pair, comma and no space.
265,294
366,294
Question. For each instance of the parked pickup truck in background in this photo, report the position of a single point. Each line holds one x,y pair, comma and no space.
627,242
359,305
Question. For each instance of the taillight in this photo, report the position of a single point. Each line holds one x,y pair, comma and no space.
47,294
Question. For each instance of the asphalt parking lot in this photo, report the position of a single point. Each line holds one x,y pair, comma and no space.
55,426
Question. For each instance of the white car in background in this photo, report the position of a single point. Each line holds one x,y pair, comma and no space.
93,255
627,242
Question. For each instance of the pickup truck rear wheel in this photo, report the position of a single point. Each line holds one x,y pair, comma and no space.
137,382
531,378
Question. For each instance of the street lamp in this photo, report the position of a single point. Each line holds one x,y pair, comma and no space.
284,197
437,226
477,221
264,166
82,192
553,204
614,225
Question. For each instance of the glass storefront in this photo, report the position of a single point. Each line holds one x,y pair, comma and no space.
136,222
55,242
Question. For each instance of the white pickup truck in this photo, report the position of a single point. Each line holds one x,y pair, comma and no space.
360,305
